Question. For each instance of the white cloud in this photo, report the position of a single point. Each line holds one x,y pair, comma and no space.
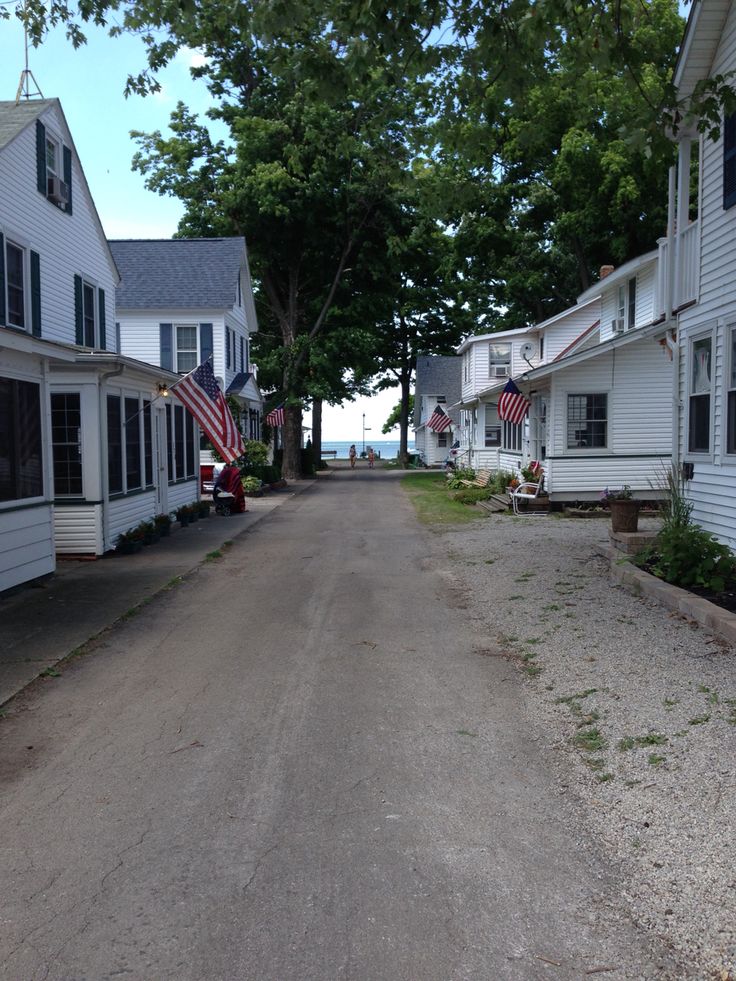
191,57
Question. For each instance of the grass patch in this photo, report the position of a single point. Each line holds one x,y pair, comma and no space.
654,760
50,673
589,740
551,607
213,556
651,739
428,494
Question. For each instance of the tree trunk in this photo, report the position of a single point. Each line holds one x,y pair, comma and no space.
291,434
317,430
404,420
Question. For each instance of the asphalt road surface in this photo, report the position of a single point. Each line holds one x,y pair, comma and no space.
301,763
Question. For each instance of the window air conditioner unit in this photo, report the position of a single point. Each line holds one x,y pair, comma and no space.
617,325
57,190
499,371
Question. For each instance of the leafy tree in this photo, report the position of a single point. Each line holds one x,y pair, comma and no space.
395,416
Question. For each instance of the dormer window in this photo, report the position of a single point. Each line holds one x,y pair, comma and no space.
499,360
54,168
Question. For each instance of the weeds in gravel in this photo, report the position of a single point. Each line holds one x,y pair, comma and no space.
651,739
670,703
525,577
551,607
50,673
589,740
698,720
516,596
654,760
603,777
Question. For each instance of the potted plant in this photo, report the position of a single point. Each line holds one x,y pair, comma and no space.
149,532
129,542
163,524
193,510
624,508
182,515
203,509
252,487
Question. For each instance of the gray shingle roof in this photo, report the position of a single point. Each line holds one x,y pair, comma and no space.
438,374
14,118
178,273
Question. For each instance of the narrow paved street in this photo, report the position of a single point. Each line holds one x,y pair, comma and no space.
301,763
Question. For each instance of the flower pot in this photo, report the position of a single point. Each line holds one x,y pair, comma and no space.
129,548
183,520
624,515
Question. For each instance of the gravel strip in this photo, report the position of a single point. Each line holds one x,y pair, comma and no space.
639,705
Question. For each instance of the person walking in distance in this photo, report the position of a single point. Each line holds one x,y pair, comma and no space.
351,456
371,457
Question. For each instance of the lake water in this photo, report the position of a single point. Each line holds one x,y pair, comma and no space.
387,448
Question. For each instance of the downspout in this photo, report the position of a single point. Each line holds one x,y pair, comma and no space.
670,270
103,456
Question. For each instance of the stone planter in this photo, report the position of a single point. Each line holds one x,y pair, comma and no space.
624,515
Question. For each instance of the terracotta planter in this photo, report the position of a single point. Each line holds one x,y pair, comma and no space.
624,515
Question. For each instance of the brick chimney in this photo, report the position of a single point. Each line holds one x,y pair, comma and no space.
606,271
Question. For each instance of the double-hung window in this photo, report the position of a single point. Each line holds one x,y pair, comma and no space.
53,168
15,277
493,436
631,307
89,312
186,348
731,391
21,455
512,436
729,161
499,360
699,394
89,319
587,421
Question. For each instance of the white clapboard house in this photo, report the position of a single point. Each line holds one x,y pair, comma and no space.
86,449
702,247
181,301
437,382
490,360
601,412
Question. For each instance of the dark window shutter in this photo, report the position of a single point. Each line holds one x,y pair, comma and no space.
227,347
205,341
103,325
78,316
2,279
167,354
41,157
729,160
35,294
68,177
242,354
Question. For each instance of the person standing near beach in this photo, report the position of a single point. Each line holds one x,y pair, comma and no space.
351,456
371,457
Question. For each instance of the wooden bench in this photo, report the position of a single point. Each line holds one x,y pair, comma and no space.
482,479
332,453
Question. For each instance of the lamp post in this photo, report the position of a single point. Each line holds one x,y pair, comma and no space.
366,429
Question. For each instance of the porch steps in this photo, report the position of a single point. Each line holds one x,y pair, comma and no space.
495,503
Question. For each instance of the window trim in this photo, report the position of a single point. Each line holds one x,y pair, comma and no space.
17,242
493,363
701,456
507,428
176,349
729,369
80,444
497,427
11,503
586,450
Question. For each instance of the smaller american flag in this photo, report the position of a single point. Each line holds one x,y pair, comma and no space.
512,406
201,394
276,416
439,421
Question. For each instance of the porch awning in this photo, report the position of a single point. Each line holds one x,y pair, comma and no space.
244,386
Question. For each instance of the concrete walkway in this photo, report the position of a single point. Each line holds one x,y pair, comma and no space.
42,623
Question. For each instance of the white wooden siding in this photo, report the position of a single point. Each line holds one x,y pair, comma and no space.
26,545
184,493
712,490
140,333
67,244
78,529
124,513
646,287
638,381
560,335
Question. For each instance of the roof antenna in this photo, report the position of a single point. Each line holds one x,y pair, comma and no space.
26,77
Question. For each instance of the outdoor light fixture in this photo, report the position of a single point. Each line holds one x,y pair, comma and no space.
163,391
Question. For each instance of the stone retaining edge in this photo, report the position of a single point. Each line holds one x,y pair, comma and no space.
641,583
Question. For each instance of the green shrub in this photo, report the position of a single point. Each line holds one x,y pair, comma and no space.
251,485
455,479
256,452
687,556
500,481
471,495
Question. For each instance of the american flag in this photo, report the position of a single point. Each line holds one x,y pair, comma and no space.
276,416
201,394
512,406
439,421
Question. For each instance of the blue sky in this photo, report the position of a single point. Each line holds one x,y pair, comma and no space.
90,82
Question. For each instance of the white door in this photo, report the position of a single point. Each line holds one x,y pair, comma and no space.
538,426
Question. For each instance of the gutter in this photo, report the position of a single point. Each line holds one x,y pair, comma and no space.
670,339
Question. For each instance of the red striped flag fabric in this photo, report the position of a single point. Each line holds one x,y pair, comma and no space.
201,394
439,421
276,416
512,406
